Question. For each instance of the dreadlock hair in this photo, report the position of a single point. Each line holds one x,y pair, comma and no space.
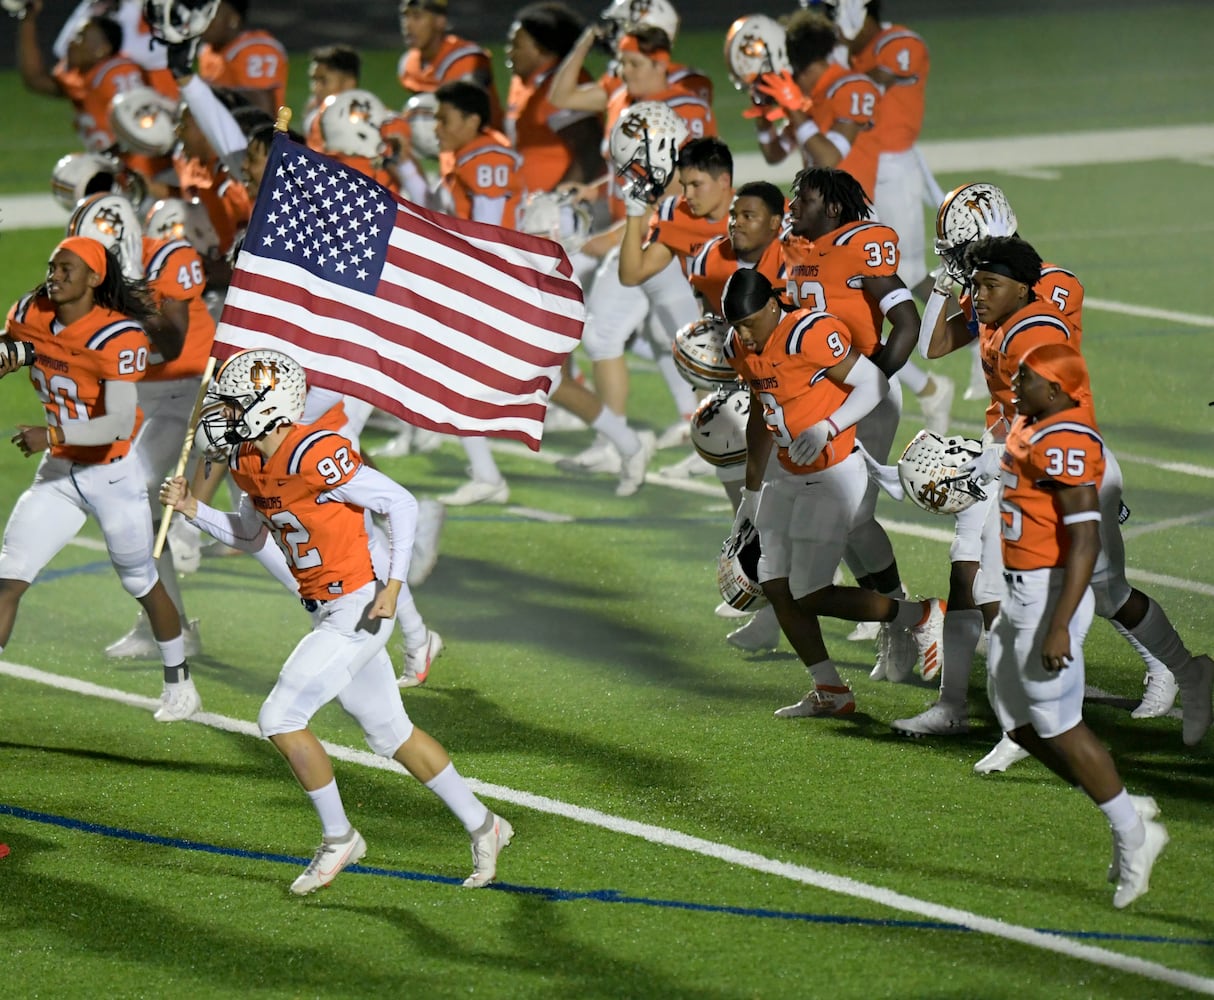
708,154
766,192
837,187
1007,255
116,292
810,38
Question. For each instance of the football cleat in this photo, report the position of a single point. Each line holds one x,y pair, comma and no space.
417,662
632,467
929,637
487,844
938,720
1147,808
1158,695
1005,753
1136,865
823,700
330,859
761,633
477,491
896,655
178,702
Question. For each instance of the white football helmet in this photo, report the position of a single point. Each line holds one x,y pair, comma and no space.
645,146
848,15
112,221
350,121
80,174
738,570
755,45
254,392
960,220
929,473
15,7
557,216
177,219
144,121
176,21
621,15
419,112
699,353
718,427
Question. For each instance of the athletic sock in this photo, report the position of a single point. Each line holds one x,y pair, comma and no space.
327,802
458,797
962,632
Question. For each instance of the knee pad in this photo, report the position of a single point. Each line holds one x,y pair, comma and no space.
384,741
138,580
276,718
1111,591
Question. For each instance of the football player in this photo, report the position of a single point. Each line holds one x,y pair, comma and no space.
809,388
1050,468
250,61
306,488
90,351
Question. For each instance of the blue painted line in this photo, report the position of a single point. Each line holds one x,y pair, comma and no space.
564,895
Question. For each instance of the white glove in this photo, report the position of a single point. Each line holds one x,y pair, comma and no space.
746,510
636,206
944,281
984,468
809,443
998,223
885,476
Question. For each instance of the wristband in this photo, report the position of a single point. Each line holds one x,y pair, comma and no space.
766,136
806,131
834,429
54,435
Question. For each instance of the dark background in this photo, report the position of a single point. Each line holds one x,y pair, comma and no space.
373,24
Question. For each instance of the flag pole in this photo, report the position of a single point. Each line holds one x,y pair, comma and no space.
184,457
283,122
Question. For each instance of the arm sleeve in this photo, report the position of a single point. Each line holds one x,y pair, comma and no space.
242,529
121,402
927,325
374,491
216,123
868,387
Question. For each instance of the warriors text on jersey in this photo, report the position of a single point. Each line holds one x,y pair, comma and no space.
1039,458
789,379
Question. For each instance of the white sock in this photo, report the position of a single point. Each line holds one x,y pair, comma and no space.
962,630
913,377
1126,824
825,674
327,801
480,457
172,651
458,797
616,430
1159,638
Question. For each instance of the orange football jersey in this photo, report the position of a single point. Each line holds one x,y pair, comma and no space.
711,268
685,234
173,270
531,124
788,377
325,544
1058,452
457,59
225,199
842,95
1001,348
73,364
902,54
253,60
91,93
825,275
1057,286
486,167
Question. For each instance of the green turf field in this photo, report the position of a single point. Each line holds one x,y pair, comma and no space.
672,838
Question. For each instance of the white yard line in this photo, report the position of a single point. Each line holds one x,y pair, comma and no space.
665,837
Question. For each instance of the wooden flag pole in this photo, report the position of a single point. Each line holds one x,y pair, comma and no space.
184,457
283,121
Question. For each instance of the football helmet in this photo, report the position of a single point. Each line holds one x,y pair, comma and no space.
80,174
112,221
959,222
718,427
419,112
350,121
848,15
557,216
15,7
144,121
929,471
254,392
699,353
755,45
177,219
621,15
738,570
176,21
645,147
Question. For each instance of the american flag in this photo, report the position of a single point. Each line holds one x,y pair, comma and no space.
451,325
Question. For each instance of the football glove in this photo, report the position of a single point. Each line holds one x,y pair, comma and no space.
984,468
783,89
808,445
998,221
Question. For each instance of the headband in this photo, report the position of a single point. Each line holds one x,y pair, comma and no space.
995,267
1064,365
91,251
629,43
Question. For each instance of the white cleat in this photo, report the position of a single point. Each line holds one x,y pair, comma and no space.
430,517
477,491
1006,753
761,633
1196,680
928,638
1158,695
487,844
632,468
1136,865
939,720
821,702
864,632
140,644
601,456
330,859
896,654
417,663
727,610
938,405
688,468
1147,808
178,702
